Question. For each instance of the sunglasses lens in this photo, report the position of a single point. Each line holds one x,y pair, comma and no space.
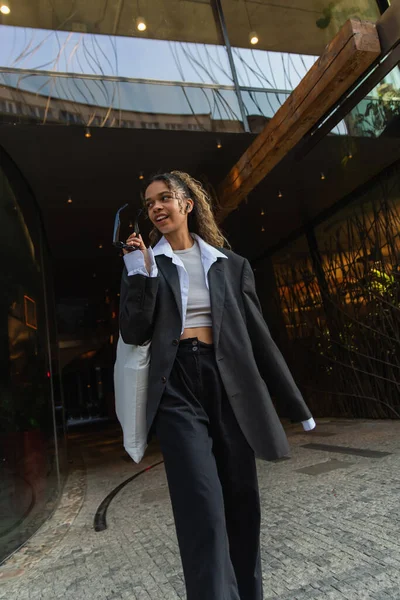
117,224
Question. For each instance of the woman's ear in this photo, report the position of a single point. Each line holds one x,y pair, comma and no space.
189,205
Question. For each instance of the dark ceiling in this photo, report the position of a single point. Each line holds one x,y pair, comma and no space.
102,173
303,27
305,186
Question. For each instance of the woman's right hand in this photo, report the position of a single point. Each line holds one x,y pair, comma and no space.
136,241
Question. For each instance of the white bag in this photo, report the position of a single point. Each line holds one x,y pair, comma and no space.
131,373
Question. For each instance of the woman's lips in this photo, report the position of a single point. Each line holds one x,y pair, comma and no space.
161,220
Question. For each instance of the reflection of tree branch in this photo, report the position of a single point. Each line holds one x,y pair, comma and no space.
114,46
95,43
25,51
60,82
99,83
294,66
228,108
194,63
227,74
260,76
180,70
258,107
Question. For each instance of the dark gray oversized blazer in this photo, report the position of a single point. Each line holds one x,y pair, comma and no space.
249,362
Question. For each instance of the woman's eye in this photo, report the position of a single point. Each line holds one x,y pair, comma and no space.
165,197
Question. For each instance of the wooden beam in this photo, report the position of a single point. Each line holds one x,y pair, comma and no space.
388,27
345,59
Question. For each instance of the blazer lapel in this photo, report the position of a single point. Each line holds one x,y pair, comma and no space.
216,279
170,273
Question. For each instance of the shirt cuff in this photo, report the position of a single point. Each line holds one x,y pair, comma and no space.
308,425
134,262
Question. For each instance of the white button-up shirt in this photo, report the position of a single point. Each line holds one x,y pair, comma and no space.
134,262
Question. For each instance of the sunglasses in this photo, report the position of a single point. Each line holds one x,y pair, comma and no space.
117,226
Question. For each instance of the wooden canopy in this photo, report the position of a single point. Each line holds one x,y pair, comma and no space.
345,59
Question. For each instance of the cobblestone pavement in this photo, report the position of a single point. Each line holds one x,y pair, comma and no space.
330,531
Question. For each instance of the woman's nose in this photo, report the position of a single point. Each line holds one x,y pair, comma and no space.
156,207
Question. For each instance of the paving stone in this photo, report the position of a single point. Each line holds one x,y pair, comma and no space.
331,536
325,467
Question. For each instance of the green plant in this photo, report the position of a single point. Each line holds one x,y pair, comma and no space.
378,112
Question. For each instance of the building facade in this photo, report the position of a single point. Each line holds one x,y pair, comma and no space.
321,231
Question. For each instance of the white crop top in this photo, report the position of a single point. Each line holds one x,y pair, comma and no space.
198,313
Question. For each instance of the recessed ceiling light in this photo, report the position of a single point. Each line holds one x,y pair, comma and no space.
5,9
141,24
253,37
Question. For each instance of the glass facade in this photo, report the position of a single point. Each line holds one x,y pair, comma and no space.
96,102
87,331
176,74
32,450
174,85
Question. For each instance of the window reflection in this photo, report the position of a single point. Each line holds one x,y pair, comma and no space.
379,113
271,70
28,471
112,56
108,103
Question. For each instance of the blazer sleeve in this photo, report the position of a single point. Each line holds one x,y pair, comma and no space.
270,362
137,307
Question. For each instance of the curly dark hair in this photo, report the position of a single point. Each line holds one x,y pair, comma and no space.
201,219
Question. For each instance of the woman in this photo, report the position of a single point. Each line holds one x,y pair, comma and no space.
213,363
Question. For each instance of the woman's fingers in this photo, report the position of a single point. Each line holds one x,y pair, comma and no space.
132,237
136,241
135,236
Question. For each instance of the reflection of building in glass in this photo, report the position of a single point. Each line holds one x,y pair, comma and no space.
27,106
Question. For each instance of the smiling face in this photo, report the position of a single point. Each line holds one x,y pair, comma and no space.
167,208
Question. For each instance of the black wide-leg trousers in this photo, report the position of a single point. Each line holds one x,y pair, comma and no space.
212,480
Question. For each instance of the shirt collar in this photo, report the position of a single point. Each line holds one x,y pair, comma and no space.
163,247
206,250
